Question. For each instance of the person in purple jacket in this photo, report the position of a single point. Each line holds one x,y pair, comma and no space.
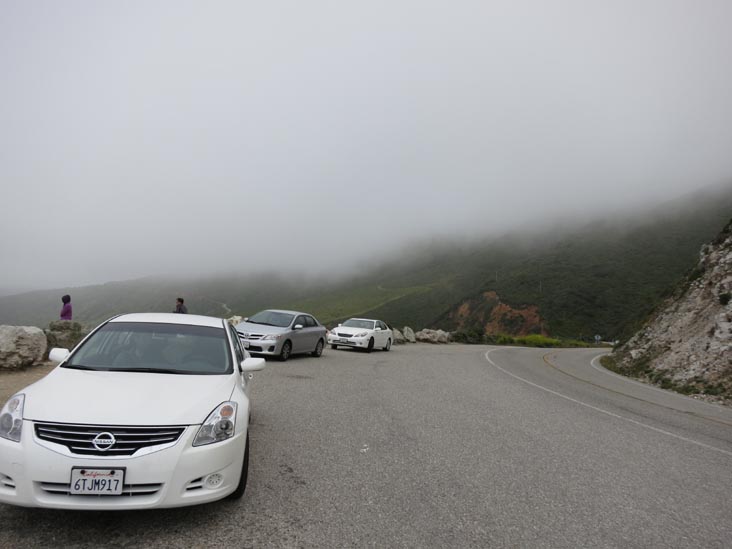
66,309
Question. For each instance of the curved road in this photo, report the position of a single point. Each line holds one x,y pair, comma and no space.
434,446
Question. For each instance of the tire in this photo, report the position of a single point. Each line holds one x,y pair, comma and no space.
239,491
286,351
318,348
334,346
371,345
388,344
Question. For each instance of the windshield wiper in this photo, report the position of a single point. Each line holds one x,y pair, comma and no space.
81,367
150,370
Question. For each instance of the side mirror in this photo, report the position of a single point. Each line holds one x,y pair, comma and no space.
58,354
252,364
297,327
246,319
340,325
378,329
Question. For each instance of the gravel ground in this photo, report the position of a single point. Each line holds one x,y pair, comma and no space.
440,446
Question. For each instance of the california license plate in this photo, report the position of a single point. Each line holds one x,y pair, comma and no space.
97,482
342,341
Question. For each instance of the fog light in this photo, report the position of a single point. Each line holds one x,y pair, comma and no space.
214,480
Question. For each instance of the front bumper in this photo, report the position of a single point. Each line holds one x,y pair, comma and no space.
33,475
264,346
359,342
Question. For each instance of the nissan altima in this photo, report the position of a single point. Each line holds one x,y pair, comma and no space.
150,410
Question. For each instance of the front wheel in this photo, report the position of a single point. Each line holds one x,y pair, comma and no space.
371,345
286,351
388,344
239,492
318,348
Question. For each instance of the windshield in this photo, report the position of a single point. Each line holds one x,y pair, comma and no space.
358,323
272,318
153,347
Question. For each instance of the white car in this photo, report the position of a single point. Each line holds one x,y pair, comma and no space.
361,333
150,410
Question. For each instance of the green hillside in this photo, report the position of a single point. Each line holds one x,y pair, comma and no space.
602,278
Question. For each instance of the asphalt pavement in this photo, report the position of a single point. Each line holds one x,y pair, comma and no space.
447,446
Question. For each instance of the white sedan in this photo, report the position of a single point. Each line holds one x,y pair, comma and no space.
150,410
361,333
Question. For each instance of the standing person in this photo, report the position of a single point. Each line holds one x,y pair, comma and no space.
66,309
179,307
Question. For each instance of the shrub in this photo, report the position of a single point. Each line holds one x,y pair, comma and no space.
471,335
536,340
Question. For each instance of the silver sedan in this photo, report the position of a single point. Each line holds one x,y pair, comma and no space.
281,334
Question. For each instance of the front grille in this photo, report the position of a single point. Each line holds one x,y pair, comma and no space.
128,440
345,335
254,336
127,490
255,348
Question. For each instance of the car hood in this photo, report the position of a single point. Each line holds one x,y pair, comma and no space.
125,398
349,330
249,328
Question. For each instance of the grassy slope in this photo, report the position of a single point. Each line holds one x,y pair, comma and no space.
603,279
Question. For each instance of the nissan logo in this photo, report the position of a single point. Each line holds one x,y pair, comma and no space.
104,441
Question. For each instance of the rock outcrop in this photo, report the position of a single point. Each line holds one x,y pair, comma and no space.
65,334
488,314
687,343
409,335
21,346
433,336
399,338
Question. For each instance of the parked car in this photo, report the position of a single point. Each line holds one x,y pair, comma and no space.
149,410
361,333
282,334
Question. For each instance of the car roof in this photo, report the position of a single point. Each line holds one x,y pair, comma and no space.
171,318
367,319
287,312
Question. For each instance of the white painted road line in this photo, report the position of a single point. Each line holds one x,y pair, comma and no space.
606,412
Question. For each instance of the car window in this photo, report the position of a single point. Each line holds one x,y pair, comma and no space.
272,318
237,344
310,322
157,347
359,323
300,320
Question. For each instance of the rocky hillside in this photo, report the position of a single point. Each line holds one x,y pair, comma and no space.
686,345
487,313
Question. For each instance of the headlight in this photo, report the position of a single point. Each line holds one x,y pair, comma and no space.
219,425
271,337
361,334
11,418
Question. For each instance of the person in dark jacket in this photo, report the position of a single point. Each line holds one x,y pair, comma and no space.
179,307
66,309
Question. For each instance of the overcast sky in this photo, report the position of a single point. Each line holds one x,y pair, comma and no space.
152,137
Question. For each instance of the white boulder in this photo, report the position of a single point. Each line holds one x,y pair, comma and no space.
409,335
21,346
433,336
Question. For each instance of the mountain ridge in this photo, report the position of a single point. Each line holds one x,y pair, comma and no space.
602,278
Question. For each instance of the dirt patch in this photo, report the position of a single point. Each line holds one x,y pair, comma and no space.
12,381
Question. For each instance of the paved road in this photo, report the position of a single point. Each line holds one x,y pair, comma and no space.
448,446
